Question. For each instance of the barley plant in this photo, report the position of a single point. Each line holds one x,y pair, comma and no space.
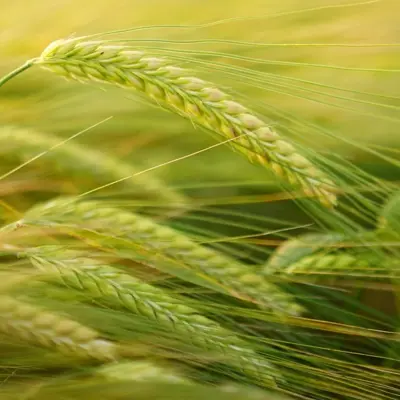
206,207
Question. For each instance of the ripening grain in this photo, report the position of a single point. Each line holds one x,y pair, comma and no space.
199,101
293,250
320,263
159,244
115,289
30,323
140,371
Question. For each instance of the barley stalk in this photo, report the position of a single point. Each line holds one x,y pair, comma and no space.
176,90
78,160
30,323
16,72
161,241
113,288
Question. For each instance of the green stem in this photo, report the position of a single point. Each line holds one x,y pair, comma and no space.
17,71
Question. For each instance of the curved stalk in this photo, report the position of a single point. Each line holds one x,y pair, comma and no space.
16,72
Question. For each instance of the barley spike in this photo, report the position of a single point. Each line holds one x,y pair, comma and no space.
113,288
175,89
292,250
158,240
140,371
345,264
30,323
326,263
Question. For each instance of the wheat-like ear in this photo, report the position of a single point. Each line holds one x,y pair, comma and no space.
348,264
30,323
319,254
326,264
140,371
175,89
293,250
161,245
112,288
146,371
80,161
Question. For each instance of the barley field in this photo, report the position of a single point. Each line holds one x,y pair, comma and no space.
199,200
